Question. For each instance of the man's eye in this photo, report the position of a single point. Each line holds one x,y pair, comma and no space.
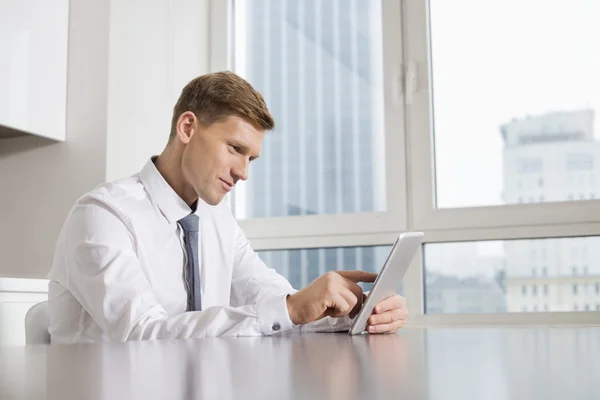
235,148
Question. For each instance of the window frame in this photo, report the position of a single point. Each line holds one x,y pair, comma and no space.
394,219
410,181
423,215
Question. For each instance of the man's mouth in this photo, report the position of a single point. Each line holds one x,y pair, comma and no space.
227,185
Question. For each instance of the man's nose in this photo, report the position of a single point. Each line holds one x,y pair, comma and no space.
241,172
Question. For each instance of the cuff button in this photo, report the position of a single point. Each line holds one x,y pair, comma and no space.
276,326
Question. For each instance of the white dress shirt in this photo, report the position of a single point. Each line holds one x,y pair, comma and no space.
118,271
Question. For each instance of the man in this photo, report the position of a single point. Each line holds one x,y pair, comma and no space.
158,255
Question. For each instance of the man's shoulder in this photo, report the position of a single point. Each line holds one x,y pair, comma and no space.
122,195
97,214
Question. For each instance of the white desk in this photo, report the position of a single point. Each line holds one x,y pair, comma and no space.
484,363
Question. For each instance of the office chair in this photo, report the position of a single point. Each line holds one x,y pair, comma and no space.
36,324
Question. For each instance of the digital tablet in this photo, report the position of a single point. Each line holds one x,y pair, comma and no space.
391,275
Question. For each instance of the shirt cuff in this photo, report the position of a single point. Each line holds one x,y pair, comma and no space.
273,316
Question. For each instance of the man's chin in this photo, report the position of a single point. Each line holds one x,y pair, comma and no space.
212,200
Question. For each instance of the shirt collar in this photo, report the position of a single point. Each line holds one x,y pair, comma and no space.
162,194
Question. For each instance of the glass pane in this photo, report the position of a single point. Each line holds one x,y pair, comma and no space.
515,93
319,66
302,266
513,276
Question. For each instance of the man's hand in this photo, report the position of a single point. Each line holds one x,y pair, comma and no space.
333,294
389,315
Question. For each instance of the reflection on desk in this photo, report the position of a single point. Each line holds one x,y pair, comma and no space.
415,364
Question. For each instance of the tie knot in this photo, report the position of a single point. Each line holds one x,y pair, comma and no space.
190,223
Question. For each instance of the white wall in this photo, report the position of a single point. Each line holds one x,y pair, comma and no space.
153,55
128,62
40,179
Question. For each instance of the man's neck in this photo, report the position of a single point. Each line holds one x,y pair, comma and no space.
170,169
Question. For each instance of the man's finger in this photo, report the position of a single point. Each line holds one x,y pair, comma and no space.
387,317
339,308
390,303
351,299
359,305
357,293
358,276
386,328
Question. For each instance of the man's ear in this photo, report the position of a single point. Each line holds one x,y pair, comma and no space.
186,126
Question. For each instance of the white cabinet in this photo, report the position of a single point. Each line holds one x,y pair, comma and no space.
33,66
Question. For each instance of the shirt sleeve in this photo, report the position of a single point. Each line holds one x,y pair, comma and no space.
253,283
104,275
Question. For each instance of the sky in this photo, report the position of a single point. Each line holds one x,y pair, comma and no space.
493,61
498,60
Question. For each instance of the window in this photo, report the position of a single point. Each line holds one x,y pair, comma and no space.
598,307
492,275
580,162
574,270
319,68
529,165
587,307
294,52
597,288
575,307
585,270
302,266
529,137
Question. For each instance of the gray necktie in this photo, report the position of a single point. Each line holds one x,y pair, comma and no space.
192,271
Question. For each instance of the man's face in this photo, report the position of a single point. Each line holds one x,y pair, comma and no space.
217,157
